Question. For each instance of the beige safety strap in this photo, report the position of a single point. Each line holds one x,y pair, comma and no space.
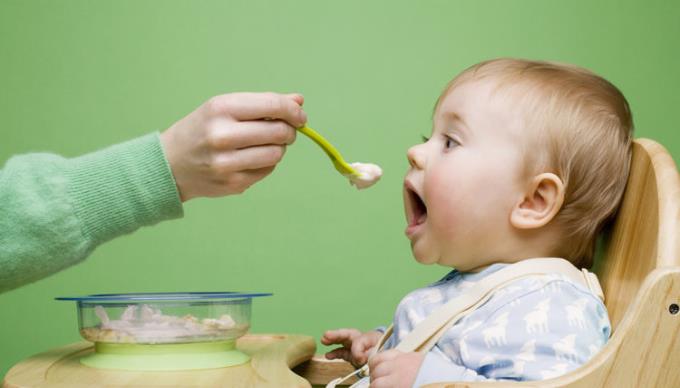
426,334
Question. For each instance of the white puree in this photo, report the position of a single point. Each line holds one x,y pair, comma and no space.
368,174
144,323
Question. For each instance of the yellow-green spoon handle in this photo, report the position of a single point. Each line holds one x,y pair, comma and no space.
343,167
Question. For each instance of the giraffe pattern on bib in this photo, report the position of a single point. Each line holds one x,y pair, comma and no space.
534,328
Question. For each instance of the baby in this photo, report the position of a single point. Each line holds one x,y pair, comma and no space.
526,159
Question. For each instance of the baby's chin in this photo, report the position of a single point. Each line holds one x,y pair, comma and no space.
427,258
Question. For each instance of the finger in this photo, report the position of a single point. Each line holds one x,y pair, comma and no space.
359,358
258,106
348,336
362,344
257,174
329,337
360,349
342,353
251,158
253,133
342,336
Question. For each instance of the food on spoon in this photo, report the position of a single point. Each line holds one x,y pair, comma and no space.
368,175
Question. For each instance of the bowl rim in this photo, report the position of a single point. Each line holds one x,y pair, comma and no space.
164,296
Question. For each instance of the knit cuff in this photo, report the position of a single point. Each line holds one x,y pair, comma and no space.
122,188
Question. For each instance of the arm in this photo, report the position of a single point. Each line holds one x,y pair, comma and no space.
55,211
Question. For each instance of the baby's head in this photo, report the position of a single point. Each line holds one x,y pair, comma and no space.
526,159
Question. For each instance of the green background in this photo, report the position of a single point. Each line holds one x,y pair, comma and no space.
76,76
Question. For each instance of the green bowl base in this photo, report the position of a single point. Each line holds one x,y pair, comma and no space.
165,357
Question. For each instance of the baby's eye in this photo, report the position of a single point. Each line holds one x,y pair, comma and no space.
450,142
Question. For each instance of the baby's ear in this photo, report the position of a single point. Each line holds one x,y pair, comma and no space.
541,202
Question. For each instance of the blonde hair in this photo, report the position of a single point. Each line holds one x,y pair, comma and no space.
585,125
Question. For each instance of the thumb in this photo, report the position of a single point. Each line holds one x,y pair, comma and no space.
360,350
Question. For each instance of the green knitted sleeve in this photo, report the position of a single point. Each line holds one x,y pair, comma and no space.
54,211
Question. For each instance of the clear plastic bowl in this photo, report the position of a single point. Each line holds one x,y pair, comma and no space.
164,318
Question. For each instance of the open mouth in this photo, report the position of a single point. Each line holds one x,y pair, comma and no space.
416,210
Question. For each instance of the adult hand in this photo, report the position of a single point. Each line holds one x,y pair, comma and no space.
231,141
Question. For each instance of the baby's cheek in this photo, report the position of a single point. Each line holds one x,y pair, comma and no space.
443,207
463,218
449,222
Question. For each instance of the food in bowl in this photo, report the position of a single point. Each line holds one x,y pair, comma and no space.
162,318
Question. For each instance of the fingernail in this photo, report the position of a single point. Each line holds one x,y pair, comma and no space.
303,117
300,97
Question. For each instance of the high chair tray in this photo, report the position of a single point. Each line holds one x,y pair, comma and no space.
272,357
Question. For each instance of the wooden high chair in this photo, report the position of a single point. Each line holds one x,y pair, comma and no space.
640,275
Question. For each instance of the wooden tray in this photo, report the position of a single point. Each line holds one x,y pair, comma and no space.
272,357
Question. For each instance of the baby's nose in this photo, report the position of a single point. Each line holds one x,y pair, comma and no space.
416,156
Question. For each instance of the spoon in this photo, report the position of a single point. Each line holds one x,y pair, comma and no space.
361,175
343,167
